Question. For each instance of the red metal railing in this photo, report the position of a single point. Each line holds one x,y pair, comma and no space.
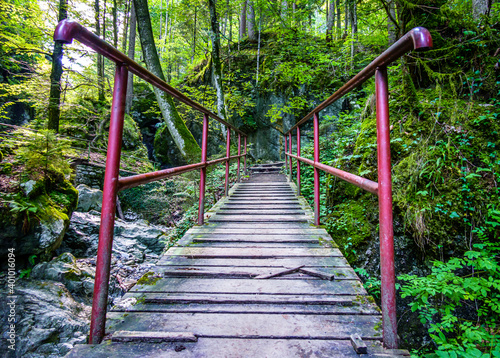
65,32
418,38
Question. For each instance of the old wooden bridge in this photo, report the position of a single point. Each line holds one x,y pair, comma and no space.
260,277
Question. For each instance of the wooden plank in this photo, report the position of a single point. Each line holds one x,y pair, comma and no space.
249,231
278,272
223,252
292,206
308,228
263,239
244,299
227,348
261,244
258,218
223,325
319,262
153,337
358,344
186,306
250,286
231,211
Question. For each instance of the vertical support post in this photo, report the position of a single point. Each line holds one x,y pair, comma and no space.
228,154
101,284
316,170
298,161
239,158
203,171
245,157
290,151
388,290
286,157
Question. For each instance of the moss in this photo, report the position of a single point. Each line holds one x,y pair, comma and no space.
349,227
132,137
149,278
6,168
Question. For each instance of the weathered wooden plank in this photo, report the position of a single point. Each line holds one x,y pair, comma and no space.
255,299
358,344
275,226
186,306
291,206
261,244
262,239
250,231
222,252
250,286
318,262
229,348
258,218
223,325
153,337
230,211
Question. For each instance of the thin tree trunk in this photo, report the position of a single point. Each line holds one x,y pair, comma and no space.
243,20
480,8
115,25
126,22
347,17
181,135
194,34
252,34
391,22
216,63
330,20
100,59
354,28
339,24
131,54
55,75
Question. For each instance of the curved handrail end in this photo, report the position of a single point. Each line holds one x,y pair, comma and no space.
422,39
66,30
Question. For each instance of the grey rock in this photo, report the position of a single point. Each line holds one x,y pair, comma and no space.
88,198
29,187
49,322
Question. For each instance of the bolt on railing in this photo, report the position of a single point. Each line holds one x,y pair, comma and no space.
65,32
417,39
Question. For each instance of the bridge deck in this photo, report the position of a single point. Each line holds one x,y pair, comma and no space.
258,280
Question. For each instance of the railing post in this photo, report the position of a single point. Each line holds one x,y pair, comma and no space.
298,161
290,151
203,171
388,290
228,154
286,158
245,157
239,153
101,284
316,170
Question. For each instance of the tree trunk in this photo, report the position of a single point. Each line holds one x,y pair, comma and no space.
181,135
131,54
391,22
115,25
194,33
252,34
126,21
339,24
354,27
330,21
347,18
55,75
480,8
216,64
243,20
100,59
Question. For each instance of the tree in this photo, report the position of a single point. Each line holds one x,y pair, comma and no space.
181,135
252,34
216,63
55,75
100,59
243,20
330,21
391,22
131,54
480,8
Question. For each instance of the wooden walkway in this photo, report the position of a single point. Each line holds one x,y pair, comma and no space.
258,280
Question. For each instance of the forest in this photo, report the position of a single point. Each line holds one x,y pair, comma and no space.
262,65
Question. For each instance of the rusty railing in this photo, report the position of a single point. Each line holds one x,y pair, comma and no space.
417,39
65,32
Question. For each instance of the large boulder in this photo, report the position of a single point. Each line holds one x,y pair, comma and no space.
132,240
49,322
88,198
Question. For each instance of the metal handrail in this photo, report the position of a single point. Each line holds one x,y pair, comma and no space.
65,32
417,39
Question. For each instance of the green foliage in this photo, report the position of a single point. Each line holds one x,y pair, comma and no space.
27,271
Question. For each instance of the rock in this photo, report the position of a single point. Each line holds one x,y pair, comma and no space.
77,277
29,187
88,198
49,322
129,243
